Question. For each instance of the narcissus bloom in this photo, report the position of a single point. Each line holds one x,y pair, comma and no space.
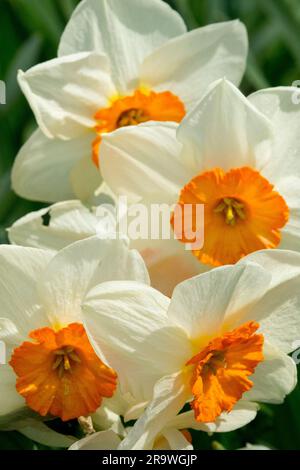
120,63
237,157
52,366
222,344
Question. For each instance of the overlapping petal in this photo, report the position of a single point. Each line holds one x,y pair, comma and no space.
42,161
128,325
280,106
187,65
226,131
65,93
125,31
78,268
149,156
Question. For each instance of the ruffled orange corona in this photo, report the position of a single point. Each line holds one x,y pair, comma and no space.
59,374
222,369
136,109
242,214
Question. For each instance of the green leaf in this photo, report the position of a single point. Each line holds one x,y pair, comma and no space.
40,16
67,7
25,57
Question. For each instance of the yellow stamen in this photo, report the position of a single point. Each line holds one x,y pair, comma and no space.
64,359
232,208
67,365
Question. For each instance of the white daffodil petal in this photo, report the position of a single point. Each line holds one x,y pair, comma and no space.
108,416
176,440
278,315
199,304
103,440
86,179
67,223
135,412
42,169
274,378
10,401
10,337
79,267
242,414
127,325
65,93
281,106
289,188
277,311
225,130
169,396
19,270
188,64
127,31
290,236
283,265
149,156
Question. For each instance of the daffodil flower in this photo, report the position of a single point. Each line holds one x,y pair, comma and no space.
120,63
51,364
237,157
222,345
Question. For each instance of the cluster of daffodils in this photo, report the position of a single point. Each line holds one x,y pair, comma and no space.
142,341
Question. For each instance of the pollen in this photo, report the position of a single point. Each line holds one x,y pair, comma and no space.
222,369
243,213
141,106
59,373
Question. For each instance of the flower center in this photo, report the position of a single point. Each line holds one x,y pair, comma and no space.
232,210
216,361
64,359
132,117
221,371
242,214
59,374
132,110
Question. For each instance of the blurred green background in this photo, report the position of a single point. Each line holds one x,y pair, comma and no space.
29,33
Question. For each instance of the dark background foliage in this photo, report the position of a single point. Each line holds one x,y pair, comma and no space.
29,33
